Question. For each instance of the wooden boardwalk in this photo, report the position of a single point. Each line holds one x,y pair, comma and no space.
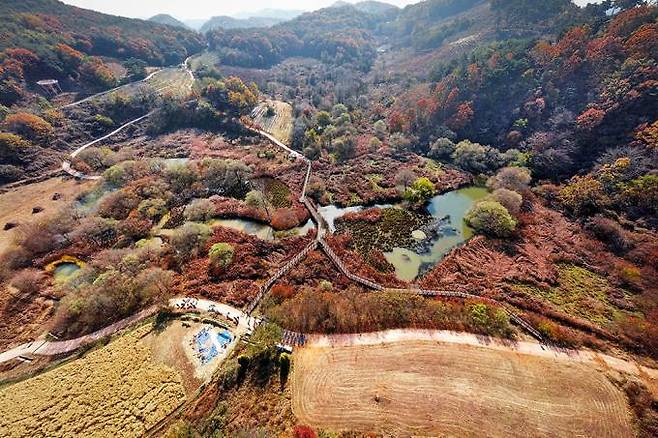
326,248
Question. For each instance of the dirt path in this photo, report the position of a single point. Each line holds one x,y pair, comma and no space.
103,93
536,349
245,323
66,165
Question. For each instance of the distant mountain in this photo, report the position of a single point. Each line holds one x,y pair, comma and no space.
167,19
339,35
370,7
226,22
195,23
283,14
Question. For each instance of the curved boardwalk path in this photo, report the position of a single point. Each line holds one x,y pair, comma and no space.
111,90
326,248
66,164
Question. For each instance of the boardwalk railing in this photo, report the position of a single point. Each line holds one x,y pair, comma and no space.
463,295
280,273
293,339
308,175
341,266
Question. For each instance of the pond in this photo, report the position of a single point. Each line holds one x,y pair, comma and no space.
65,270
449,209
331,212
262,231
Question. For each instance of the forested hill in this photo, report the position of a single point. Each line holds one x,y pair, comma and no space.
168,20
427,25
38,25
348,34
226,22
339,35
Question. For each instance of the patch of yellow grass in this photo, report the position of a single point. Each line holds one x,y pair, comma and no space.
118,390
65,259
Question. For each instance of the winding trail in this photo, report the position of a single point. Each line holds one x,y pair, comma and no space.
66,164
246,322
112,90
51,348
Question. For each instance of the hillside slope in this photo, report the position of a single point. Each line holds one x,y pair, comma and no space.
226,22
37,25
168,20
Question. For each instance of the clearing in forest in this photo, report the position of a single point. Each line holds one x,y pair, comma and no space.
118,390
16,205
275,117
420,387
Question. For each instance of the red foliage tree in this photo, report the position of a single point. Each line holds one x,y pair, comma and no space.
283,291
396,121
643,43
462,116
302,431
590,119
284,219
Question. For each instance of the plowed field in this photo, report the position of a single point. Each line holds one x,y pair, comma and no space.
428,388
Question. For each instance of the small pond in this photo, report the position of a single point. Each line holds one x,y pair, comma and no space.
451,232
65,270
262,231
331,212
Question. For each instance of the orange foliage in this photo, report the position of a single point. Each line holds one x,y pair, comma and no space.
643,42
24,56
283,291
284,219
462,117
648,135
625,22
602,49
96,72
69,55
590,119
29,126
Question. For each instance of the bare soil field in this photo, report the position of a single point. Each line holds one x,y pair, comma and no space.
118,390
16,205
428,388
279,124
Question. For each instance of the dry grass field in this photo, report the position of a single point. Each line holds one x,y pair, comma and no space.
427,388
115,391
279,124
16,204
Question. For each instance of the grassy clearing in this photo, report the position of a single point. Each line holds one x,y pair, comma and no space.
205,58
118,390
580,292
276,118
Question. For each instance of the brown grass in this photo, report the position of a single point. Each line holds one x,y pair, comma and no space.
428,388
118,390
16,205
280,124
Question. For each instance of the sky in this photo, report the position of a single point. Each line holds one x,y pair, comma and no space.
191,9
